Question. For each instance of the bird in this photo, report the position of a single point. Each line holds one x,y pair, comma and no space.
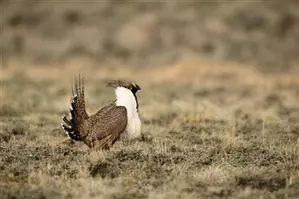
116,121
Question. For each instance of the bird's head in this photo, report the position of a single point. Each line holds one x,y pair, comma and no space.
132,86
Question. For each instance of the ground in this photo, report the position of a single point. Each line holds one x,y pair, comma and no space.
211,129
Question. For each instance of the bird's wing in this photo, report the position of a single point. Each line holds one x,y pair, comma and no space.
106,126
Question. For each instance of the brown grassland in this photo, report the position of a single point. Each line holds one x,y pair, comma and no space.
210,130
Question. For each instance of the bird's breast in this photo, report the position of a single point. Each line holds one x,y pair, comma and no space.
134,127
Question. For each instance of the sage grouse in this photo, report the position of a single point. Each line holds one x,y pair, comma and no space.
119,119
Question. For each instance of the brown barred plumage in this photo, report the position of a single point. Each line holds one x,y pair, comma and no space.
102,129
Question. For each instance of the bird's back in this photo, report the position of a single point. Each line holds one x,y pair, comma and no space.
106,125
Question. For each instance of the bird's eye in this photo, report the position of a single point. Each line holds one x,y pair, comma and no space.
134,84
134,87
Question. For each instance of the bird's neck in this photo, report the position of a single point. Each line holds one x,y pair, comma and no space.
137,104
125,97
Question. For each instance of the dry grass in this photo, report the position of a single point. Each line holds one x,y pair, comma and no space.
212,130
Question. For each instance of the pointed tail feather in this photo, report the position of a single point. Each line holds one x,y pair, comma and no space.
78,101
74,126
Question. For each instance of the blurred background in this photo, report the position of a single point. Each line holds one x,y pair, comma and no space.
263,33
219,101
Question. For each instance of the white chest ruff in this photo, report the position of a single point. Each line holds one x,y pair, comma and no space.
124,97
133,129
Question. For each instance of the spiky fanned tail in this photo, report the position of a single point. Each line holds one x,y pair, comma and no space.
75,126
